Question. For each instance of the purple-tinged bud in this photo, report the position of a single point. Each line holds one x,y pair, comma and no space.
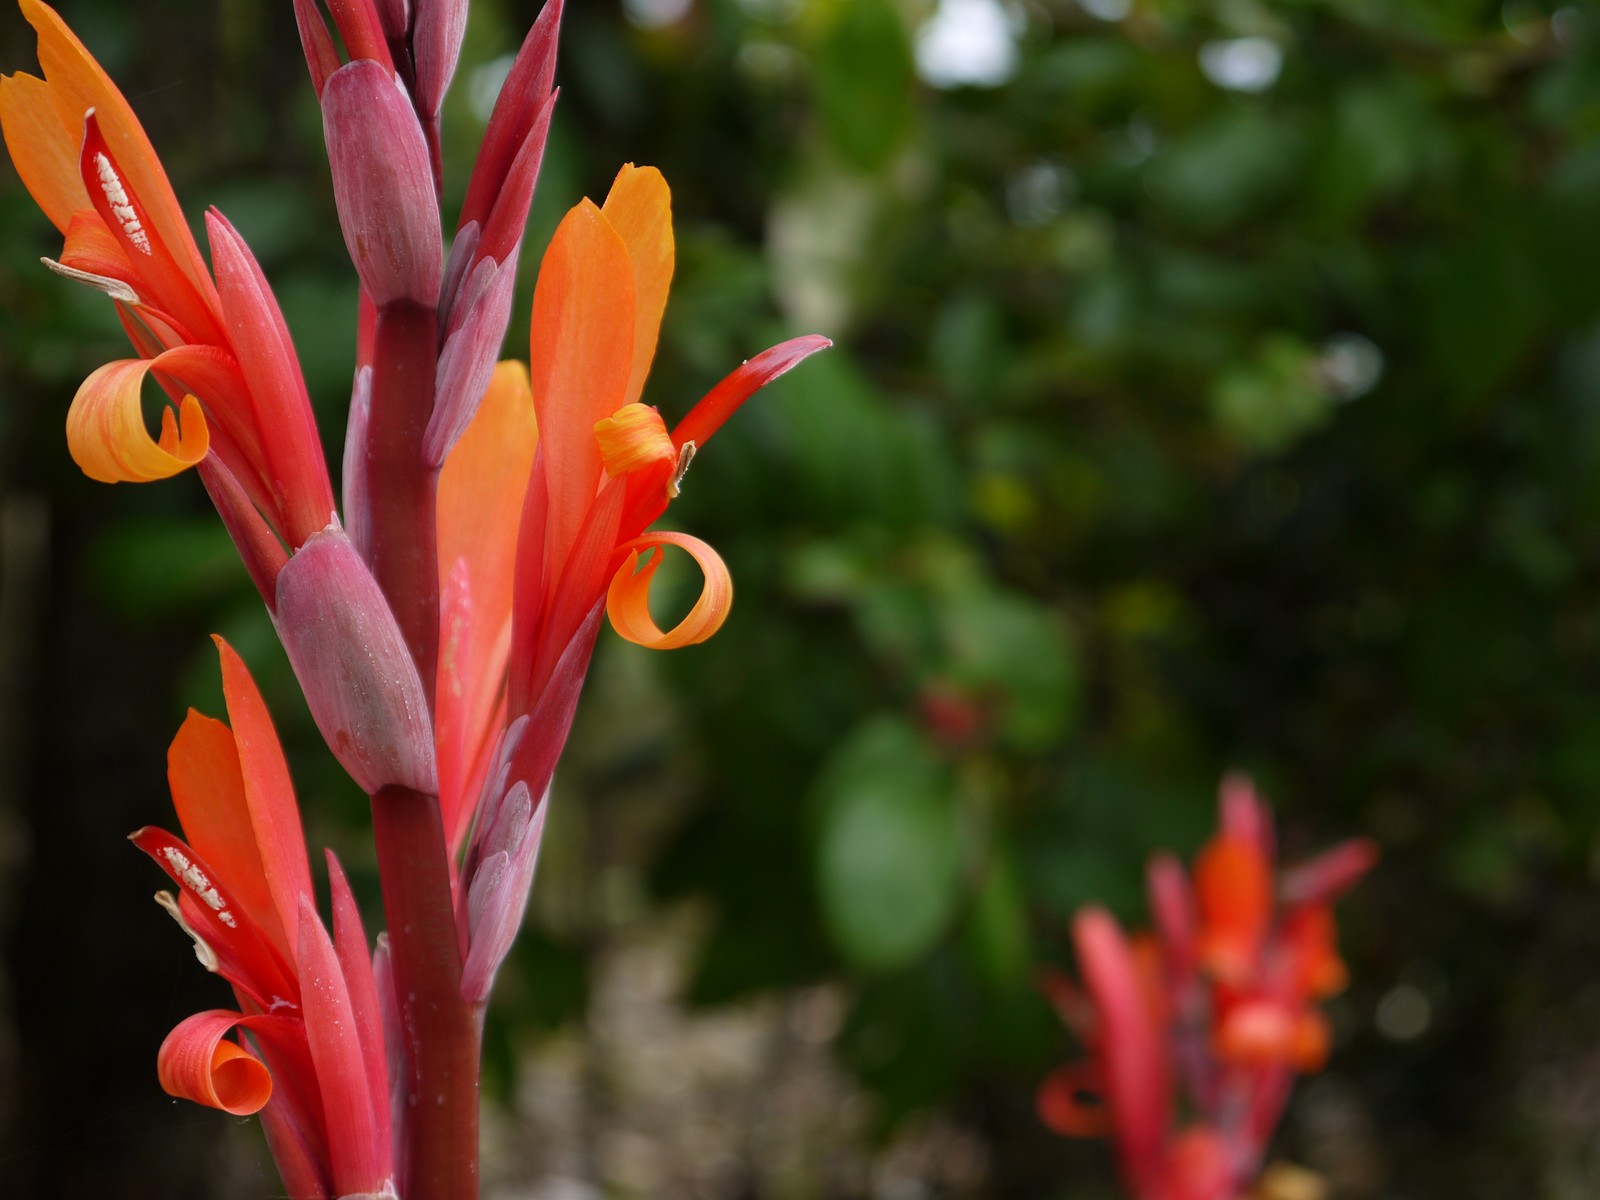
358,677
383,184
467,360
436,47
508,217
395,18
498,893
521,101
357,495
554,705
463,254
322,58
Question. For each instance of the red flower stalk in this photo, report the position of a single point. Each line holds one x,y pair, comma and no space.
1221,1000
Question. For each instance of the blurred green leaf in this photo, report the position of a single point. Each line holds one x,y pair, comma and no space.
864,81
887,852
1266,404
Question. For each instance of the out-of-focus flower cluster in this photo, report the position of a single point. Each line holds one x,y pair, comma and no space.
1198,1029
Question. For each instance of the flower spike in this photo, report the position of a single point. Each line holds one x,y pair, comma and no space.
1221,998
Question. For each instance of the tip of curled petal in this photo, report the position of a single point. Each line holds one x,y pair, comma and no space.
628,597
197,1062
106,433
1071,1101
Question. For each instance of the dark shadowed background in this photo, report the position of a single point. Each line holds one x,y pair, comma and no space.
1217,385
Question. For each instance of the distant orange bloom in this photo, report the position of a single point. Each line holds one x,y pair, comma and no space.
1221,999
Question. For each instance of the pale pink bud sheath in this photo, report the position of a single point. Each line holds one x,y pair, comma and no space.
437,30
383,184
475,302
359,679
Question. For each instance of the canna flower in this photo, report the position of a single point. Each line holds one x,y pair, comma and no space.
311,1059
1221,1001
215,341
544,507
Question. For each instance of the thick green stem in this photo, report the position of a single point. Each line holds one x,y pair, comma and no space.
401,489
442,1033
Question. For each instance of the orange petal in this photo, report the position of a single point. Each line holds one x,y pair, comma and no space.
1234,887
106,433
628,599
639,208
582,339
43,129
481,490
274,816
43,121
197,1062
208,792
93,250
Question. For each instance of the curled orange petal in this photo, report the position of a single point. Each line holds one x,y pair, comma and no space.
633,437
106,432
197,1062
628,598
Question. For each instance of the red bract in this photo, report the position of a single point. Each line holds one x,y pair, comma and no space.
1220,1004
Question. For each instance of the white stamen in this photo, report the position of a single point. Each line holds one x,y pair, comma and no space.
202,949
121,207
195,880
115,288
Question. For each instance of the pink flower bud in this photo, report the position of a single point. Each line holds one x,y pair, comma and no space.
467,359
383,184
523,98
436,45
359,679
498,893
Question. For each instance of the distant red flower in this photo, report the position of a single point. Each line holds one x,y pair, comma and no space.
1221,999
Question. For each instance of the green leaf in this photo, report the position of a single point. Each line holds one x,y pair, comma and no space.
887,854
864,82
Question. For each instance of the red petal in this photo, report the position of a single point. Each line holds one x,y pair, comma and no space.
1071,1101
292,458
1130,1047
359,1158
162,278
197,1063
722,401
355,961
274,815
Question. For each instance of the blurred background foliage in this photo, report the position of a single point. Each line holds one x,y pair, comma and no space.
1217,384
